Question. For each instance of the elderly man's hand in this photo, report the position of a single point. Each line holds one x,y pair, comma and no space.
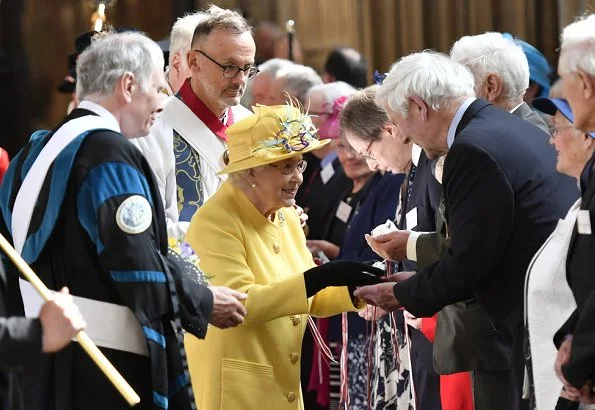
562,358
380,295
228,311
392,245
60,321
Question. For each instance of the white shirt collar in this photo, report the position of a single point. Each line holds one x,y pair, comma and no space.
225,116
515,108
450,137
102,112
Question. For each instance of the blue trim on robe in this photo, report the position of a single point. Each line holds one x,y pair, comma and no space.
38,142
60,173
138,276
154,336
125,180
38,134
160,400
6,189
176,385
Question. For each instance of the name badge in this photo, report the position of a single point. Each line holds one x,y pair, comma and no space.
327,173
411,219
343,211
583,222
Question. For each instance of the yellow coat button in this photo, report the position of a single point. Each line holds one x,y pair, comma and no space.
291,397
294,358
296,320
276,248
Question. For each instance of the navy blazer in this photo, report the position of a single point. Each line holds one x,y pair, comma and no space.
503,198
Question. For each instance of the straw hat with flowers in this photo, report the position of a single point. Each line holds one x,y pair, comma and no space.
272,134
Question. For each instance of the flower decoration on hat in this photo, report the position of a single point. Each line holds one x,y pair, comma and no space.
296,131
272,134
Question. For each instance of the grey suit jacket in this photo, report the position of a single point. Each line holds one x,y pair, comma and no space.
526,113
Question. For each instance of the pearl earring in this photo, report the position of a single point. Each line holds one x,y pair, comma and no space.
253,185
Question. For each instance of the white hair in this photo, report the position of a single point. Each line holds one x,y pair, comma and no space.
297,79
180,38
112,55
578,46
491,53
273,66
429,75
332,91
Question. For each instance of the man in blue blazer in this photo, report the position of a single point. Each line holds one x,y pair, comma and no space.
501,198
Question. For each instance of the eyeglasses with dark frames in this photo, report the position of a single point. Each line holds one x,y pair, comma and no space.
366,154
231,71
287,169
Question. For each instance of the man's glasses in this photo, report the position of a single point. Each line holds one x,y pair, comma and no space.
231,71
366,154
287,169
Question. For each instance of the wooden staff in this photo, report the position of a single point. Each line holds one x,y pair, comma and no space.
84,340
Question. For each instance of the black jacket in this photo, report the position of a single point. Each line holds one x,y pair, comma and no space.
580,270
20,347
320,199
502,200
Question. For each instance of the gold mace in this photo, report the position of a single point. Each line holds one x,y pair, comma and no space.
83,338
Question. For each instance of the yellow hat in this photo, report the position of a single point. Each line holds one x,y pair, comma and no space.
271,134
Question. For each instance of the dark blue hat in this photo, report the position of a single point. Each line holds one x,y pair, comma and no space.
551,105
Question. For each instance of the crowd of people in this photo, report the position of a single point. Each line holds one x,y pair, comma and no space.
422,243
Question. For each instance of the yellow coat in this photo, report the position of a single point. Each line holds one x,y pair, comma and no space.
257,364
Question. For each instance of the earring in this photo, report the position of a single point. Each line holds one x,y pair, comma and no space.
253,185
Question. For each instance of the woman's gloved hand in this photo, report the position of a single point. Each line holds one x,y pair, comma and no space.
340,273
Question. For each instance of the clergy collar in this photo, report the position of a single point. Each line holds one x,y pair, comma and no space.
102,112
450,137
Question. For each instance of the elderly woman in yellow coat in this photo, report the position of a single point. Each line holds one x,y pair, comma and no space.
248,237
